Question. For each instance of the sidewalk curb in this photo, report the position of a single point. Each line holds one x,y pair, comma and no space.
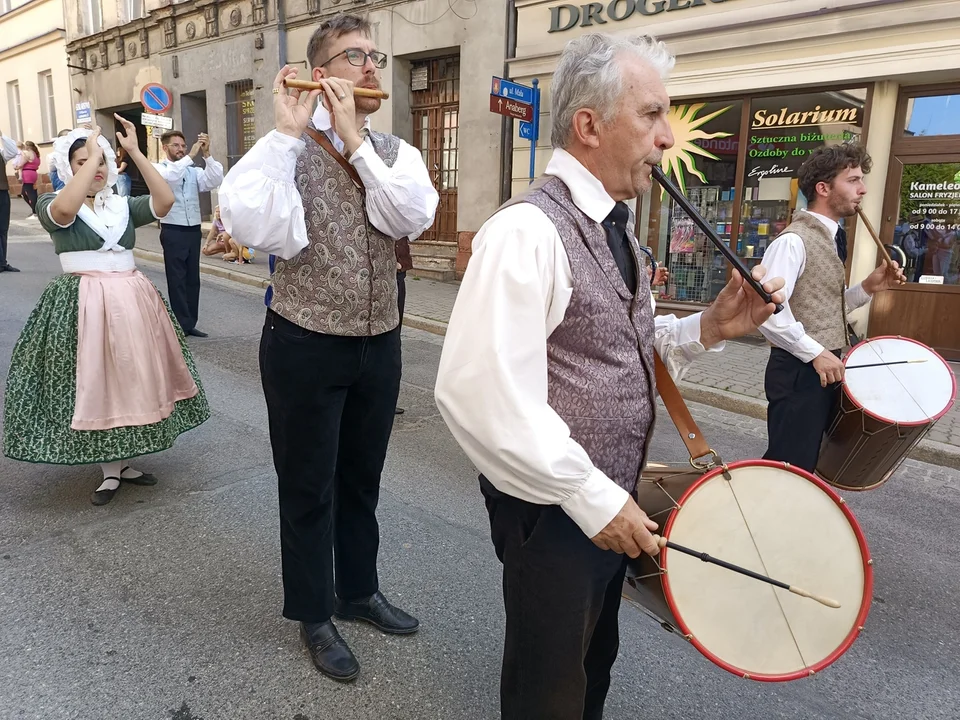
206,269
421,323
928,451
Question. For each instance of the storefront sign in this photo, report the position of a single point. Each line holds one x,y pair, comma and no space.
817,116
564,17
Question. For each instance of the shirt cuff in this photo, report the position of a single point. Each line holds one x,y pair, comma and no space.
856,297
370,166
596,503
281,153
688,336
807,349
50,215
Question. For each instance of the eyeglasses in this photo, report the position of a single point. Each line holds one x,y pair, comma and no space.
357,57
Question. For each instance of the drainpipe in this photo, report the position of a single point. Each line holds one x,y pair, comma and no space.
506,124
282,31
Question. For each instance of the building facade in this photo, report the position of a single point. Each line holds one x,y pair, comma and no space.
37,98
759,84
218,58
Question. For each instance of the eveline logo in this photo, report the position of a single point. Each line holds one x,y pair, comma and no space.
564,17
785,118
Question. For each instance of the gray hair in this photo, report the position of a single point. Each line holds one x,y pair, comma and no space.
588,76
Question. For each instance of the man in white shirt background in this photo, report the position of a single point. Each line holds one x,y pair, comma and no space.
8,151
329,198
546,375
180,234
804,370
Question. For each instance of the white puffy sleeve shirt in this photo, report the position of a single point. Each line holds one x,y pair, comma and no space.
492,383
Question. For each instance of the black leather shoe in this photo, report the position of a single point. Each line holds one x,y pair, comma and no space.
196,333
329,652
377,611
144,479
398,411
102,497
9,268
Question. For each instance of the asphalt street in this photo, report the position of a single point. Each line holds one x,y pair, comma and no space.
166,603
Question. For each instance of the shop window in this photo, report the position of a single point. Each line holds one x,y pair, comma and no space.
783,131
928,224
703,164
241,120
932,115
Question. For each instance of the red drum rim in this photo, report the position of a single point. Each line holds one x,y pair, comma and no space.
867,576
918,423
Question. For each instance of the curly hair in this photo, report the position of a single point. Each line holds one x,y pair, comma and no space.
825,163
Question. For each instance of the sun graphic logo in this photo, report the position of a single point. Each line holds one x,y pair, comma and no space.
681,158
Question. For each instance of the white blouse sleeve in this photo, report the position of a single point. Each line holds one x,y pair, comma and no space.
260,206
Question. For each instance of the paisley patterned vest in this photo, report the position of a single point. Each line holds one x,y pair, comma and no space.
600,357
345,281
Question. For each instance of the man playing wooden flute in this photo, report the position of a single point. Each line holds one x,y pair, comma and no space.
330,197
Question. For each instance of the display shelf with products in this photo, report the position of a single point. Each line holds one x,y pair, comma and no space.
697,269
760,222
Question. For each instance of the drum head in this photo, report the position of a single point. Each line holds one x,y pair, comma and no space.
788,525
908,394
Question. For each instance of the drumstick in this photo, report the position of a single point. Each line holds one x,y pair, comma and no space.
876,238
357,91
884,364
663,542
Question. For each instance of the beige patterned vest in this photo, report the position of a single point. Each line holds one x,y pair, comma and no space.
817,300
345,281
600,357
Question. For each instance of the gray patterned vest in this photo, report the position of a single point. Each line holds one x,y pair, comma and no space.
600,357
345,281
4,181
817,300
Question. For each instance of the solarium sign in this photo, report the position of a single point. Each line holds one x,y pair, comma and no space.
564,17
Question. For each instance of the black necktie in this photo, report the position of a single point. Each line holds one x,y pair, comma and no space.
615,225
841,240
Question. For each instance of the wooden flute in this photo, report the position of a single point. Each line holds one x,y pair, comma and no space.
357,91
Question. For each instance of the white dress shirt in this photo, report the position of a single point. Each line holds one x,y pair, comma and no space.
8,149
207,179
492,384
261,207
787,258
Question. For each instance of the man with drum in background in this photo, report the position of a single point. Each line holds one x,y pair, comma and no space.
547,375
808,335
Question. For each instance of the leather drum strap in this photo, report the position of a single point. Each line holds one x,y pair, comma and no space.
689,432
323,141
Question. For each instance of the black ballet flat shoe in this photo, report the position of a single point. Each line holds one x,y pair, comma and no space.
144,479
398,411
102,497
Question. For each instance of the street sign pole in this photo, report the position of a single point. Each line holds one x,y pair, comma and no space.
536,129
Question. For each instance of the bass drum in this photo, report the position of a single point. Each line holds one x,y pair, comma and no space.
770,518
883,411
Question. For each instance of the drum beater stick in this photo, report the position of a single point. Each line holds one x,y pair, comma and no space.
884,364
663,542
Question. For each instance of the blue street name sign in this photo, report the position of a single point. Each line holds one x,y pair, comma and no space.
512,90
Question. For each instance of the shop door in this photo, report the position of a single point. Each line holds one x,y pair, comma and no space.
922,218
436,122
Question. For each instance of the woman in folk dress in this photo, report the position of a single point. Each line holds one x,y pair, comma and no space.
101,372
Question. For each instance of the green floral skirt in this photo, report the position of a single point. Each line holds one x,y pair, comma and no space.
42,385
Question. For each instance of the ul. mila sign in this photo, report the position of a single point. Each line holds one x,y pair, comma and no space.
565,17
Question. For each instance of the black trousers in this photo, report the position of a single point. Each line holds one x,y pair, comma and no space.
401,292
330,402
562,595
4,224
29,193
181,261
798,409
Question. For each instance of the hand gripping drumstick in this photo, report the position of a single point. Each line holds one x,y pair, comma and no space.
663,542
876,238
357,91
